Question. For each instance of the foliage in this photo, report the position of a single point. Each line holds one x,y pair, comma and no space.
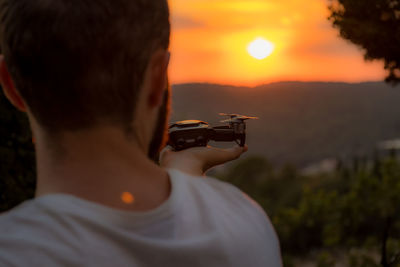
373,25
354,210
17,165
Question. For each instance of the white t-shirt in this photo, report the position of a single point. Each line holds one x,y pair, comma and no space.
204,222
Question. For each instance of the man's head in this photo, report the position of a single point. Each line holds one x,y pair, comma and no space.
81,64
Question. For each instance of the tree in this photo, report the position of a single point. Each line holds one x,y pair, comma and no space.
373,25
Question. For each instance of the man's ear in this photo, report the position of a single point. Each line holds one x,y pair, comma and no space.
158,68
9,88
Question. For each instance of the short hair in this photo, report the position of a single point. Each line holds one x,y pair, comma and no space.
81,63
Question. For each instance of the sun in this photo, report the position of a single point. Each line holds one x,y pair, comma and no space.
260,48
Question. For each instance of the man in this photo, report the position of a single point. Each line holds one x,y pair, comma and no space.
91,75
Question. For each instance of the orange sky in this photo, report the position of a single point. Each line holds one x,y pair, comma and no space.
210,39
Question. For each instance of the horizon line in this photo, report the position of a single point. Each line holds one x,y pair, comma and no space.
279,82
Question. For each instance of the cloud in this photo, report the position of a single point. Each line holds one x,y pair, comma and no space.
182,22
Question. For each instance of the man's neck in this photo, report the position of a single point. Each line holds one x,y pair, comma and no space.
103,167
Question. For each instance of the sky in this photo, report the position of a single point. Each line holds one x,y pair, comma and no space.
210,39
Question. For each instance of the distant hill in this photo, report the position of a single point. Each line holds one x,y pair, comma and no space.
301,123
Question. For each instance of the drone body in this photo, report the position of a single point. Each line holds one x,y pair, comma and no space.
194,133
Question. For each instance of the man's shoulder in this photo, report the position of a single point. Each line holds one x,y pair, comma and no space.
24,221
28,236
223,193
24,214
234,209
34,219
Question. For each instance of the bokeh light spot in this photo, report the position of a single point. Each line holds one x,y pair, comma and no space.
127,198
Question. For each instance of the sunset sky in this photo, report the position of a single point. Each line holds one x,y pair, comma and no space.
210,40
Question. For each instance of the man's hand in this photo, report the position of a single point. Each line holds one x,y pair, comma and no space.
197,160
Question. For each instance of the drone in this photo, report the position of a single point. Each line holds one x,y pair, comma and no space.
195,133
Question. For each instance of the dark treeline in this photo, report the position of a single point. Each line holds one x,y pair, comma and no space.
350,216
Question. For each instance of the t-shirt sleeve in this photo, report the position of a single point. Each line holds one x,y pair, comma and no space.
252,214
247,206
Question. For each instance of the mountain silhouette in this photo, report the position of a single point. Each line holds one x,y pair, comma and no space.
300,122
